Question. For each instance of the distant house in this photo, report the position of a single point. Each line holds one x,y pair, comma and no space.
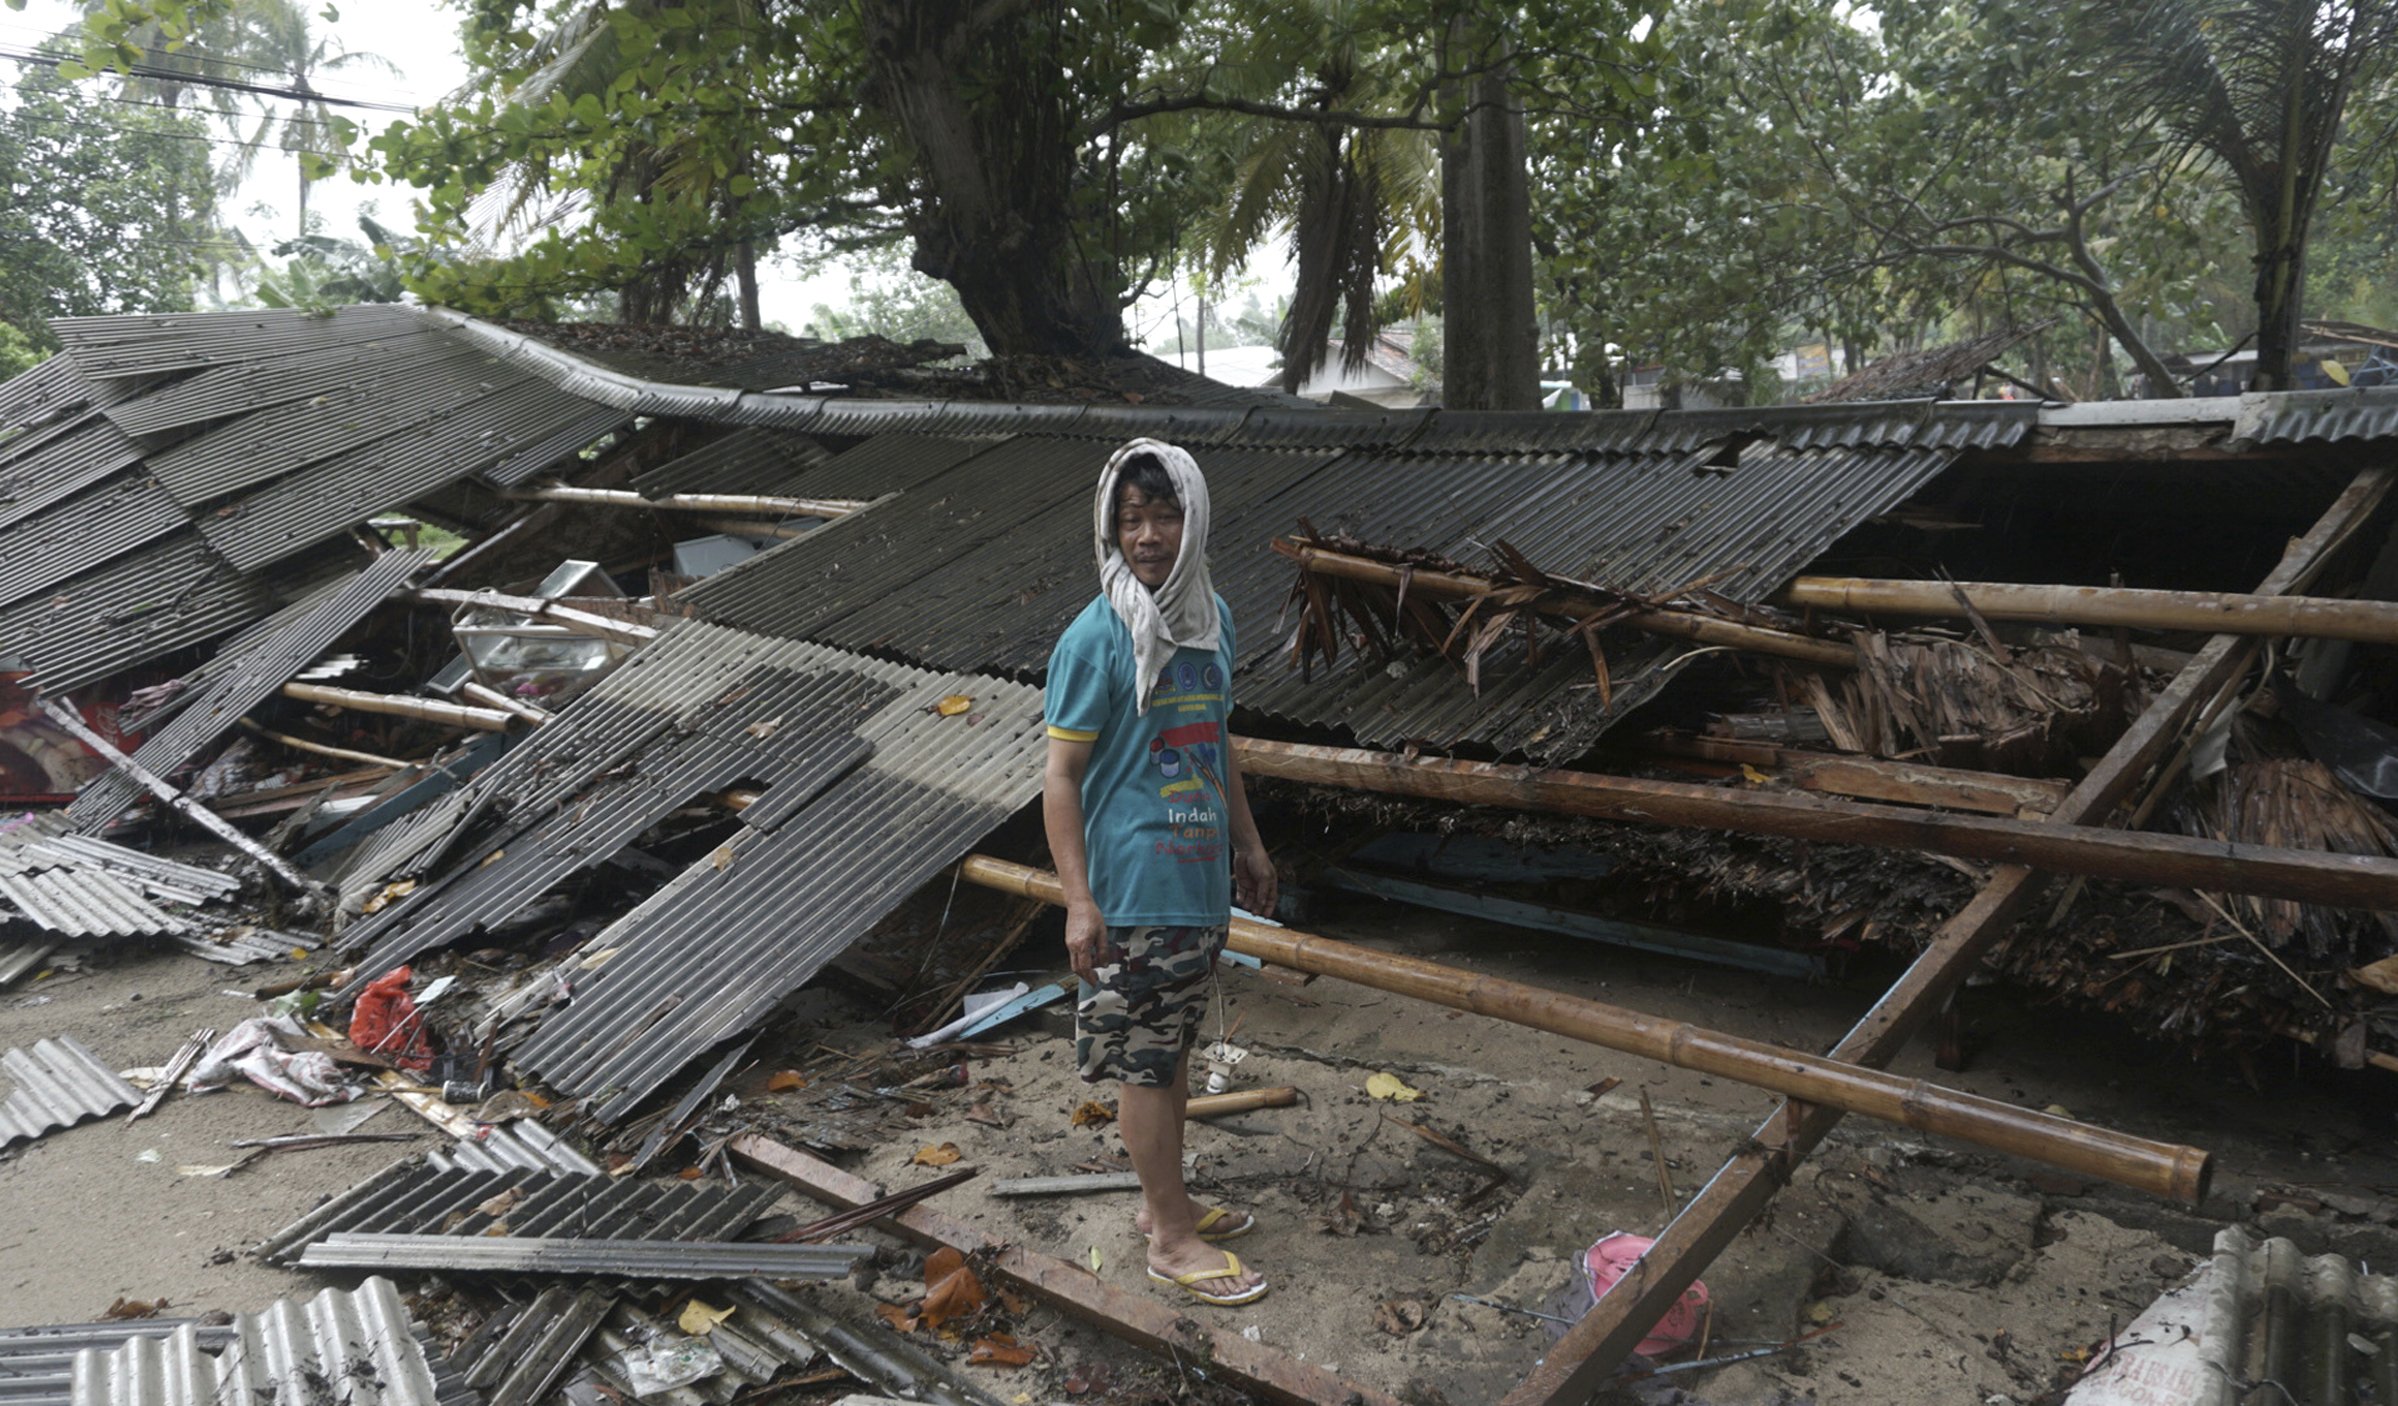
1390,376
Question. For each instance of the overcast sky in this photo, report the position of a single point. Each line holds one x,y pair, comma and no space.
420,38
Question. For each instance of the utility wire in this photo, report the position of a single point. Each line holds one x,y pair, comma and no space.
199,81
47,45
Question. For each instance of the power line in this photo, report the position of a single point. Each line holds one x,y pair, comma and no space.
231,84
124,131
47,46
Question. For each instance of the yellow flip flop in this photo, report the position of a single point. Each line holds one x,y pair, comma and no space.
1189,1283
1241,1224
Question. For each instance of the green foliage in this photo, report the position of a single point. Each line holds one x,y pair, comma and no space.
103,209
889,299
18,354
321,273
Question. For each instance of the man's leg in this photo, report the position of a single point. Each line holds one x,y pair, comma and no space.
1151,1120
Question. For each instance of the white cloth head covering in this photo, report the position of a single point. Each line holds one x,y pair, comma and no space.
1181,613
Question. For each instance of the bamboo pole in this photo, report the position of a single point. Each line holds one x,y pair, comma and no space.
555,612
302,744
750,527
1745,1185
2163,1169
737,504
2342,880
493,698
1566,602
1869,778
429,710
2106,607
1217,1105
180,803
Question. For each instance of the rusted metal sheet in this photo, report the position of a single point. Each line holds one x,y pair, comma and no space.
55,1084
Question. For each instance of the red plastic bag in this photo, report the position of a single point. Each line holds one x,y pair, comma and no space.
385,1022
1612,1258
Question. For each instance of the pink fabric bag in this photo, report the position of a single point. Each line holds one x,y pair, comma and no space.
1612,1258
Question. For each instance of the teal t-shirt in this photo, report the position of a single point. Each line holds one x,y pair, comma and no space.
1155,811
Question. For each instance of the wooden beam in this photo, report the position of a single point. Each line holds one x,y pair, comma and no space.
1593,1348
737,504
554,612
2165,1169
1145,1320
1872,779
1566,601
180,803
2343,880
343,754
493,698
2106,607
431,710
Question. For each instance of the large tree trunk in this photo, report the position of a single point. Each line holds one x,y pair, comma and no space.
1489,349
745,272
982,107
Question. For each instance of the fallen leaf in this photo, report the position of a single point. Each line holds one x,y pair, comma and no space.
954,704
941,1156
723,857
1399,1317
2381,976
764,730
689,1174
1012,1301
986,1115
1753,776
783,1081
1605,1086
896,1316
1093,1111
135,1308
1392,1088
392,893
492,858
1095,1259
699,1319
951,1289
1344,1219
999,1350
498,1205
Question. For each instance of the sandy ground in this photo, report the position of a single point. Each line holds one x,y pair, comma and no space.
1940,1273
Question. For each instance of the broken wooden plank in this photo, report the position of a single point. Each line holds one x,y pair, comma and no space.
180,803
2164,1169
1869,778
343,754
430,710
735,504
2352,881
2106,607
1563,601
1241,1101
555,612
1593,1348
1068,1185
493,698
1147,1321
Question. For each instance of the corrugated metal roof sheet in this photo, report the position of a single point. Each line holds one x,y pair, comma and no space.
46,391
1515,432
539,1347
141,344
1900,424
81,533
294,513
1277,428
803,586
243,387
416,1199
2329,417
576,431
57,1084
77,902
411,383
523,1144
268,665
139,607
631,1259
1192,425
37,1365
723,942
53,468
359,1348
748,460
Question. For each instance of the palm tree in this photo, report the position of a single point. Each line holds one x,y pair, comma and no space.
277,38
2255,88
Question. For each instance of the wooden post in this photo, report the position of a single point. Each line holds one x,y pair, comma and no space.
2161,1168
431,710
1143,1319
2107,607
1566,602
344,754
182,805
2345,880
493,698
1594,1347
1869,778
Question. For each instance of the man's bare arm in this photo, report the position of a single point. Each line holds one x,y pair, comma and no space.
1061,816
1254,881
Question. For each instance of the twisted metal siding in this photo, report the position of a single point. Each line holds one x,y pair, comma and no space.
144,605
55,466
57,1084
149,344
358,1348
82,533
630,1259
271,662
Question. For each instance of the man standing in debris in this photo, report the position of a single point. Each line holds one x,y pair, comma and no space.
1150,829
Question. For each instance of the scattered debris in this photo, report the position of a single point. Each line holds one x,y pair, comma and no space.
57,1083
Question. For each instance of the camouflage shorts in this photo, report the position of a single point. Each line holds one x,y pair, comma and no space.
1135,1024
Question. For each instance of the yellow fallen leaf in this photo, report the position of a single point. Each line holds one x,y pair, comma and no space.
942,1156
763,730
723,857
783,1081
699,1319
1093,1111
392,893
955,704
1751,775
1392,1088
492,858
1094,1259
